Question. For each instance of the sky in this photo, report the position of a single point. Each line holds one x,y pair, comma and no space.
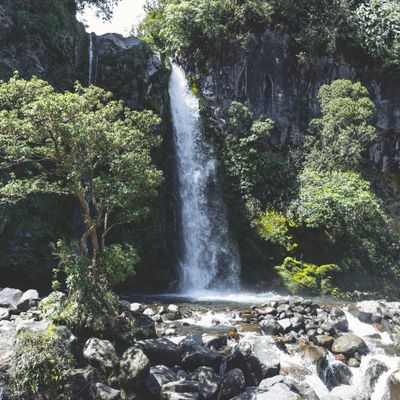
126,14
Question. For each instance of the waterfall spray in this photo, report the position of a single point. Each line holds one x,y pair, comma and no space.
209,259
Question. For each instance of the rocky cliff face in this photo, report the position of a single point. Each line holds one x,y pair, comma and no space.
268,76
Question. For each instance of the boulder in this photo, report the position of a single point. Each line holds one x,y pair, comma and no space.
4,314
349,344
80,382
9,298
134,368
314,355
101,354
368,310
373,372
208,382
232,384
286,324
271,327
323,340
161,351
343,392
32,325
143,326
337,374
394,386
99,391
257,357
215,341
202,356
190,343
136,307
29,298
277,393
159,376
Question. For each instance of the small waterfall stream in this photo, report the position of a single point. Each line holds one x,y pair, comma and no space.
208,259
90,77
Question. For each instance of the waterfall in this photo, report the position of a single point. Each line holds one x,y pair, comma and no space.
90,79
209,259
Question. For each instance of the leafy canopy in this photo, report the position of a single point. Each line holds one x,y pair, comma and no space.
345,128
82,145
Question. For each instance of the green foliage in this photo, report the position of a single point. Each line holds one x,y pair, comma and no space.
345,128
41,365
377,29
202,25
274,227
338,201
83,146
299,276
104,7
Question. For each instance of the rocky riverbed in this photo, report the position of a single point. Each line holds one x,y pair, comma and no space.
280,348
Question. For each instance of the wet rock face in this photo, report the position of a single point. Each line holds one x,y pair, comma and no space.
267,76
55,51
142,77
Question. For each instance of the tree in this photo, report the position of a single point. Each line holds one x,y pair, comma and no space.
82,145
345,128
104,7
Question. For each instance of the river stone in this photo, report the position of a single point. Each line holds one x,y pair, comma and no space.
159,376
232,384
393,386
267,310
101,354
257,357
301,388
191,343
371,376
134,368
80,380
273,394
343,392
215,341
136,307
4,314
202,356
27,298
100,391
315,355
37,326
161,351
340,323
286,324
168,395
367,309
208,382
149,312
9,298
337,374
271,327
323,340
349,344
298,372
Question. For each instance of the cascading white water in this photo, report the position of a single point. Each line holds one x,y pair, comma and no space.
90,78
209,259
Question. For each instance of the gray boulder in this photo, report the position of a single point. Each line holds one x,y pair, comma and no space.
208,382
99,391
344,392
349,344
232,384
373,372
202,356
101,354
134,368
4,314
257,357
9,298
337,374
29,298
159,376
161,351
271,327
32,325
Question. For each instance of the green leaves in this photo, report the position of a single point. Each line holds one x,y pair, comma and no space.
345,128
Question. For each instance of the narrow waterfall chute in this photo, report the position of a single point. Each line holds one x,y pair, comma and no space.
209,259
90,77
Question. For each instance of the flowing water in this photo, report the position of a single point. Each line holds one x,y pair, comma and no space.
90,77
208,259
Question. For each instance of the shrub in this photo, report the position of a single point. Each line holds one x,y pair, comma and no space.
299,276
274,226
41,365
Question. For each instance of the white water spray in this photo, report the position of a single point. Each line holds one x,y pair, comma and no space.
90,78
209,259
